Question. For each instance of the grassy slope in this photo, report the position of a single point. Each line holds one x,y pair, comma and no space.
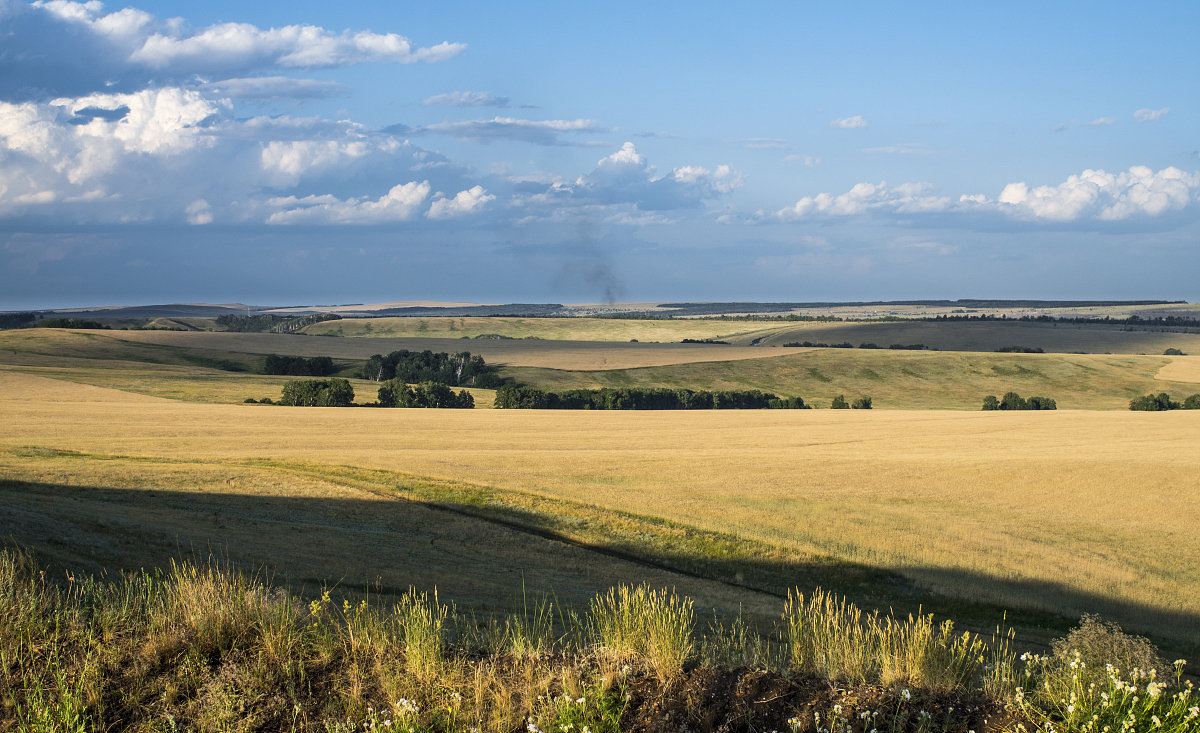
900,379
564,329
1032,509
991,335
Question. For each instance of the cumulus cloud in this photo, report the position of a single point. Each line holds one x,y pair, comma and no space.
906,198
466,99
1093,195
1096,194
1102,122
59,47
849,123
537,132
623,187
401,203
464,202
1151,115
274,87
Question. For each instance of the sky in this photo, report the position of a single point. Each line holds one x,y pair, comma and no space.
305,153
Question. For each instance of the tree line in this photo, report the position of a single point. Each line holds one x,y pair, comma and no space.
271,323
865,345
513,397
1014,401
1162,401
299,366
456,370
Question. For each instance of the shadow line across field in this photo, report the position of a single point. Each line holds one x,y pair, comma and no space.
487,550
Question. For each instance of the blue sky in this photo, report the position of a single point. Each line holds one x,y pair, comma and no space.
530,152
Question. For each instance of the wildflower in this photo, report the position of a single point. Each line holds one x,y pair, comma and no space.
580,701
907,695
1154,689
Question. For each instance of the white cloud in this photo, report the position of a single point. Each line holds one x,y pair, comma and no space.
199,212
58,47
467,99
401,203
806,160
906,198
538,132
1151,115
1102,122
464,202
274,87
849,123
1096,194
1093,195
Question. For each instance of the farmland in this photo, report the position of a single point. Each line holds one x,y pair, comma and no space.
128,450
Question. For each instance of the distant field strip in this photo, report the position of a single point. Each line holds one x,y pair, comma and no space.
58,347
558,329
1068,511
900,379
1181,369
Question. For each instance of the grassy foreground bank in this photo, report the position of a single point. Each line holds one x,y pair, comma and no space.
200,648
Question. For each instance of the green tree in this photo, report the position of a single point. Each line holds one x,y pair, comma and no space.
991,403
317,393
1013,401
839,403
862,403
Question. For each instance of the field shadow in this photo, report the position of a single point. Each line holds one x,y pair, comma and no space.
495,560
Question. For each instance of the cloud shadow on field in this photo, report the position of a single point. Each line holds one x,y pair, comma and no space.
487,558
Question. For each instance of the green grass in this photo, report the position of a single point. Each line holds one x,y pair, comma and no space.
898,379
201,647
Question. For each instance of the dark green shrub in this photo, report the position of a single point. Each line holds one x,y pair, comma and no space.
1153,403
1013,401
862,403
250,401
395,393
317,393
1192,402
1173,352
839,403
991,403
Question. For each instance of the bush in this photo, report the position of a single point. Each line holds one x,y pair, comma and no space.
1173,352
991,403
1153,403
839,403
1014,401
862,403
250,401
298,366
317,393
415,367
1020,350
395,393
1192,402
789,403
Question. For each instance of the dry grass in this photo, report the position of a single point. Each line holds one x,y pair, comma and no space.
1068,511
901,379
991,335
559,329
1181,369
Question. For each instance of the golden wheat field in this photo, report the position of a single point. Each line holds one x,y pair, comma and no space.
1064,511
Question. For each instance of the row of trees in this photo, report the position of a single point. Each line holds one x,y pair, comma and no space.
317,393
1162,401
299,366
865,345
513,397
1014,401
271,323
840,403
460,369
395,393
